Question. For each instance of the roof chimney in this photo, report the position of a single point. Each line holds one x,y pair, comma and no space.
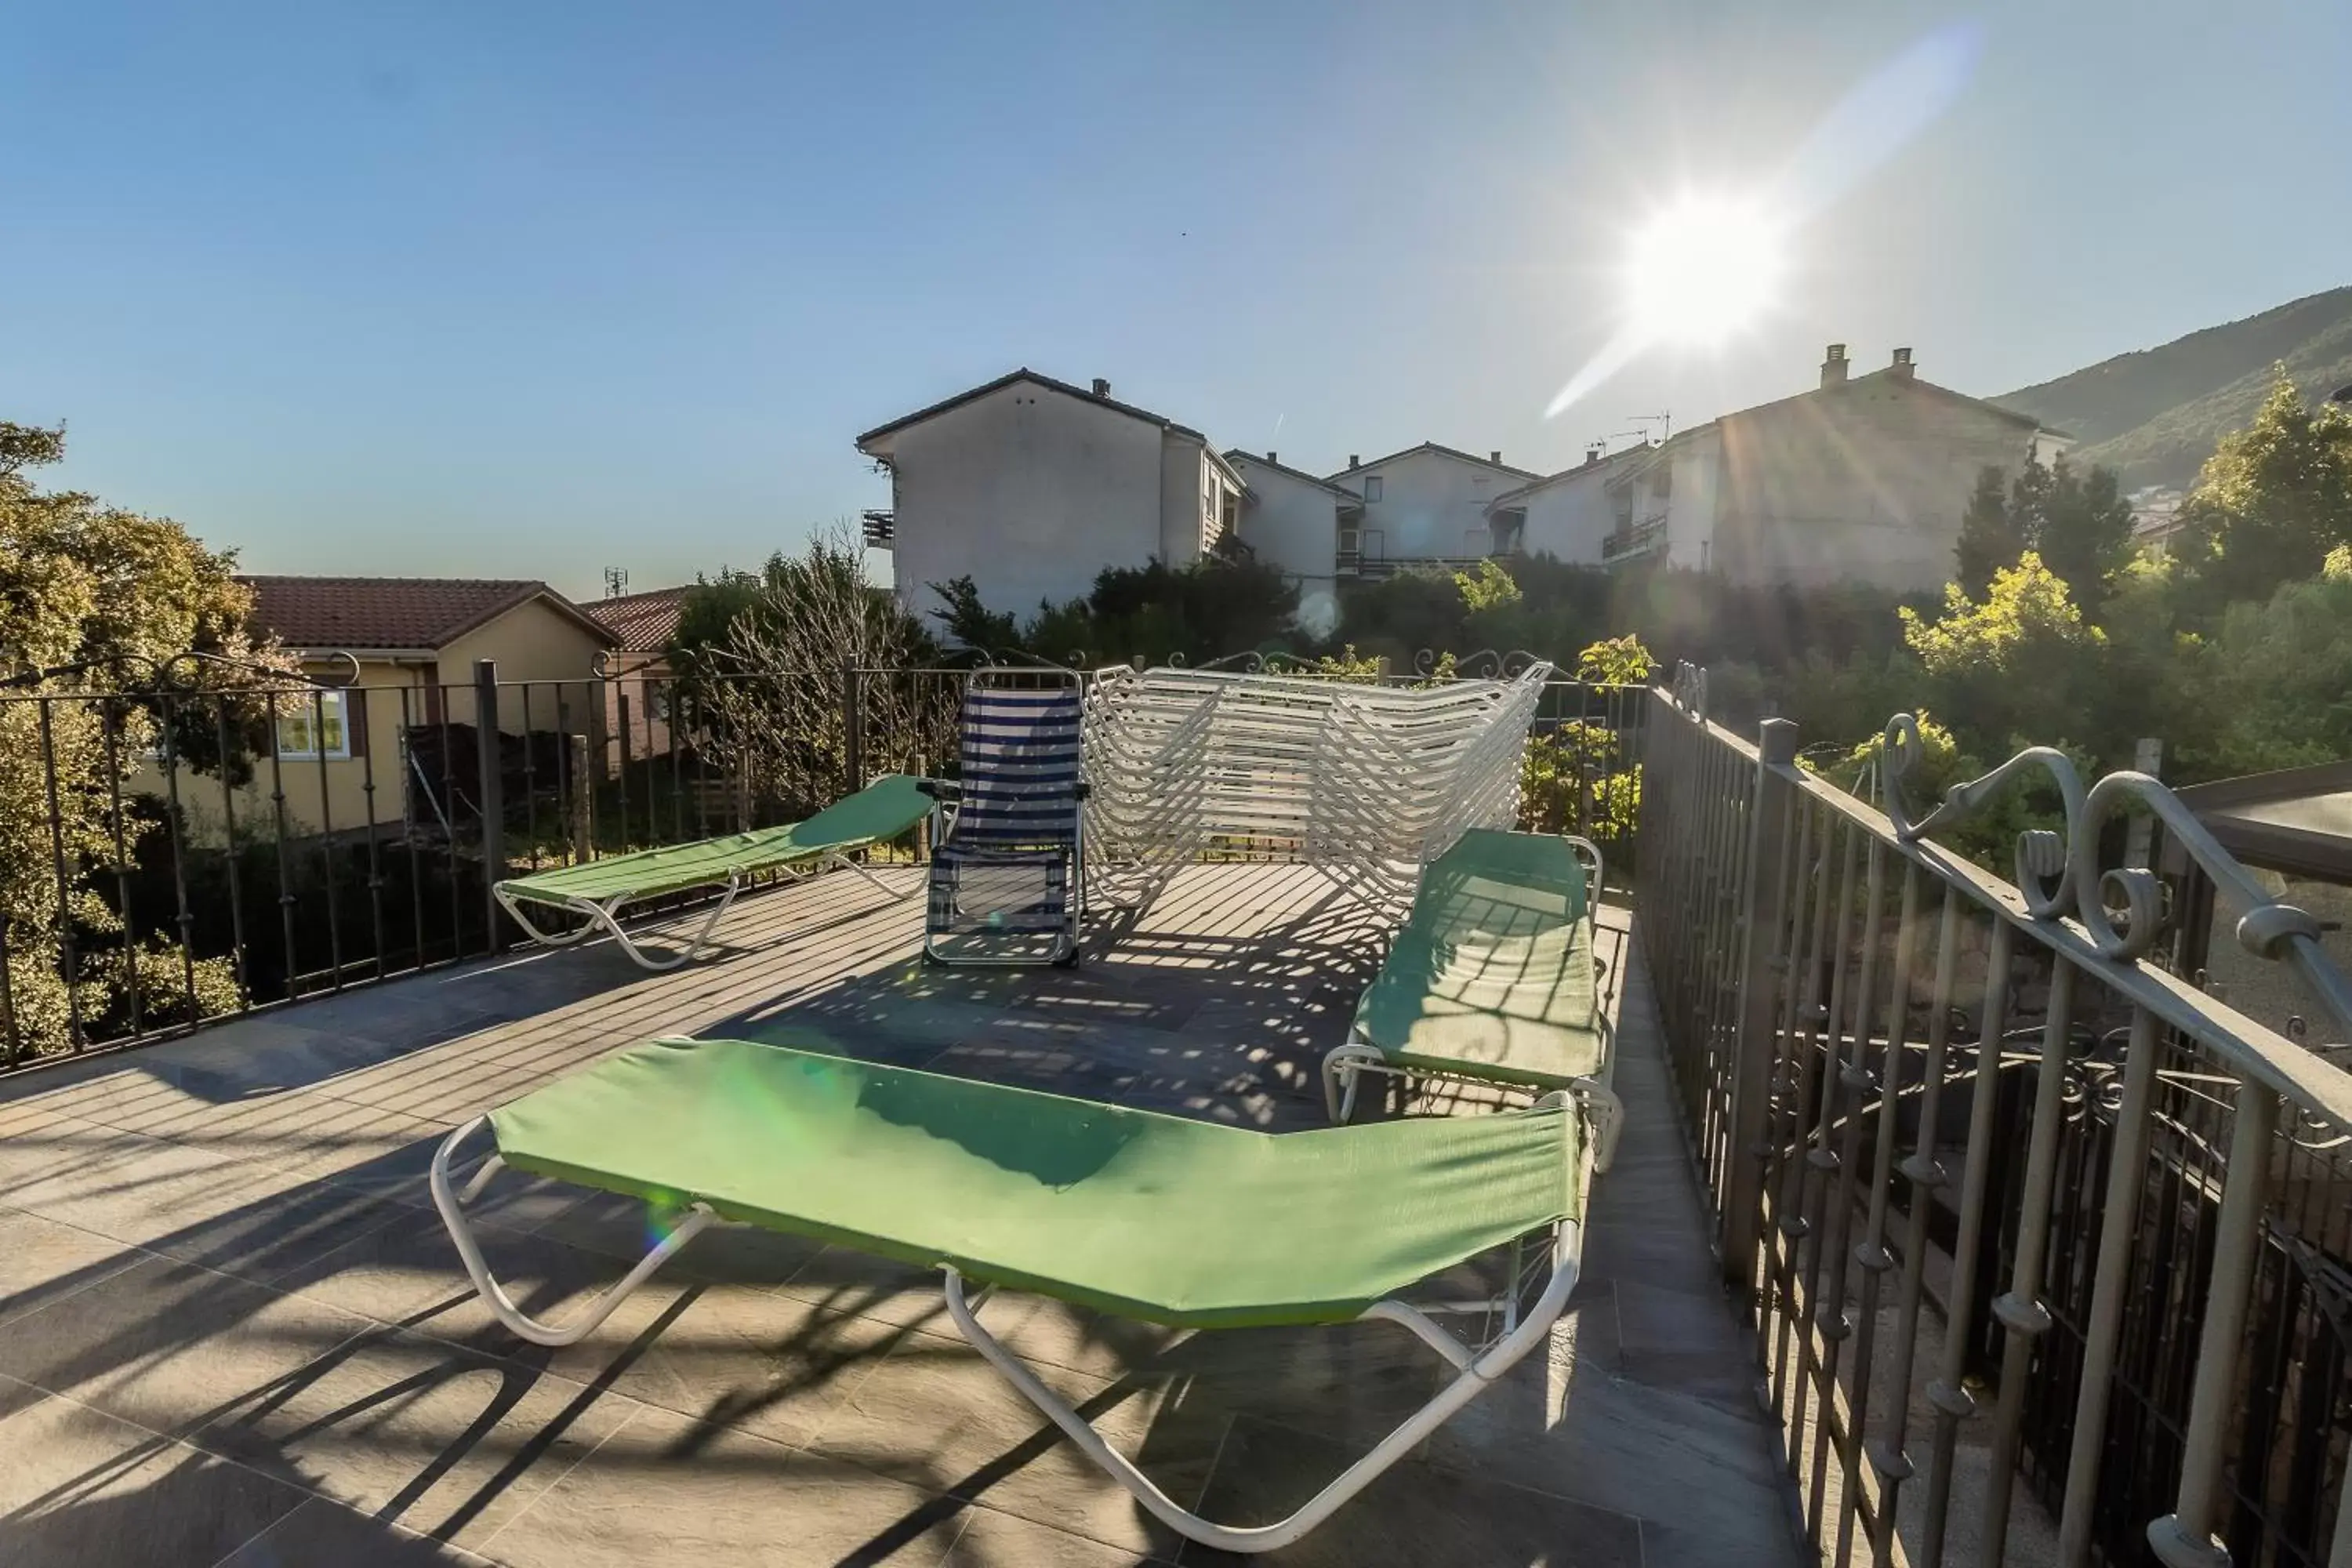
1354,461
1102,387
1496,457
1902,368
1591,455
1270,455
1834,366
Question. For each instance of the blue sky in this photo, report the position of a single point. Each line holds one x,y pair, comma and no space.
532,289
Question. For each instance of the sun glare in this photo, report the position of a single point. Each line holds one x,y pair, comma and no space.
1702,270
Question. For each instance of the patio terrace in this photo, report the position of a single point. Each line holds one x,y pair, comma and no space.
232,1330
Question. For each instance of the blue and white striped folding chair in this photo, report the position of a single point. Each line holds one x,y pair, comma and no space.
1008,874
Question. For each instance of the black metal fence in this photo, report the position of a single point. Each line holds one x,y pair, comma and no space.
169,857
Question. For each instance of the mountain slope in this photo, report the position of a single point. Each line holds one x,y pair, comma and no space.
2155,415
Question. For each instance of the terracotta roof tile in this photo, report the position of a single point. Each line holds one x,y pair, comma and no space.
644,621
388,611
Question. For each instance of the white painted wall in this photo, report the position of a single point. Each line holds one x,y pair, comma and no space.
1193,488
1431,504
1697,495
1029,491
1292,523
1571,516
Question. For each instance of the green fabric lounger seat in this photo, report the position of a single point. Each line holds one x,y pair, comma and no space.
1135,1213
1491,978
596,889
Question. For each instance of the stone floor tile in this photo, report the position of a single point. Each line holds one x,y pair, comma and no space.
668,1488
321,1533
41,1261
1416,1514
170,1346
81,1489
935,1415
1691,1343
412,1431
274,1232
772,1366
1572,1431
993,1539
1649,1255
144,1190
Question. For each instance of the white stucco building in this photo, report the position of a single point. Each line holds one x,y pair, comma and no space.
1571,516
1294,522
1426,503
1031,486
1862,477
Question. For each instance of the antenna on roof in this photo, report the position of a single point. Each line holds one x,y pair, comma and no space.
616,582
1665,422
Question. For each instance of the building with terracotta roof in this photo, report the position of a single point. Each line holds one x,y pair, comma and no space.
400,654
643,623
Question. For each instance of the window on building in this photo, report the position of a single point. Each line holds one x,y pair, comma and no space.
1372,487
1228,511
311,726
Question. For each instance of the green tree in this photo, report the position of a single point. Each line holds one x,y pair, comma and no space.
96,605
774,703
2271,684
2084,533
2078,523
2021,667
969,623
1990,537
2271,503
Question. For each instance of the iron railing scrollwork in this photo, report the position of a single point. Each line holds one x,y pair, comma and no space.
1975,1151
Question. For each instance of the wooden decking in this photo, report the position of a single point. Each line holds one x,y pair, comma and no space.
232,1330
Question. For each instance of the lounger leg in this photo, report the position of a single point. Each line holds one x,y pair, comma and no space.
1608,1114
1343,1069
1475,1374
581,1323
607,914
866,871
513,906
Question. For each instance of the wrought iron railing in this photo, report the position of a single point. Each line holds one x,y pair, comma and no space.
180,854
2017,1209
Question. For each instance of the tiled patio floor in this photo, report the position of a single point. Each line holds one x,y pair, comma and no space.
232,1330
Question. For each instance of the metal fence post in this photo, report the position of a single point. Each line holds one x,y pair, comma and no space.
493,802
853,730
1761,922
584,811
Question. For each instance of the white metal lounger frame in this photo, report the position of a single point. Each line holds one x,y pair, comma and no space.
604,915
1345,1065
1477,1367
1366,783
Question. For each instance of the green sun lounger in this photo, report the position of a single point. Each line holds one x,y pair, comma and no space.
1491,979
596,889
1151,1216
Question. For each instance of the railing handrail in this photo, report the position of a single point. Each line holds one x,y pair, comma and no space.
2313,1083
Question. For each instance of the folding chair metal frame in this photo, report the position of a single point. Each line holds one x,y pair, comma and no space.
1065,948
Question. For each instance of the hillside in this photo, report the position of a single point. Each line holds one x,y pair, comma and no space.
2155,415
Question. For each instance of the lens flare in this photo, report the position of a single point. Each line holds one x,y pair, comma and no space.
1706,267
1702,269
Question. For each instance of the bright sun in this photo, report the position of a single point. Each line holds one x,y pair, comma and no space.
1702,269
